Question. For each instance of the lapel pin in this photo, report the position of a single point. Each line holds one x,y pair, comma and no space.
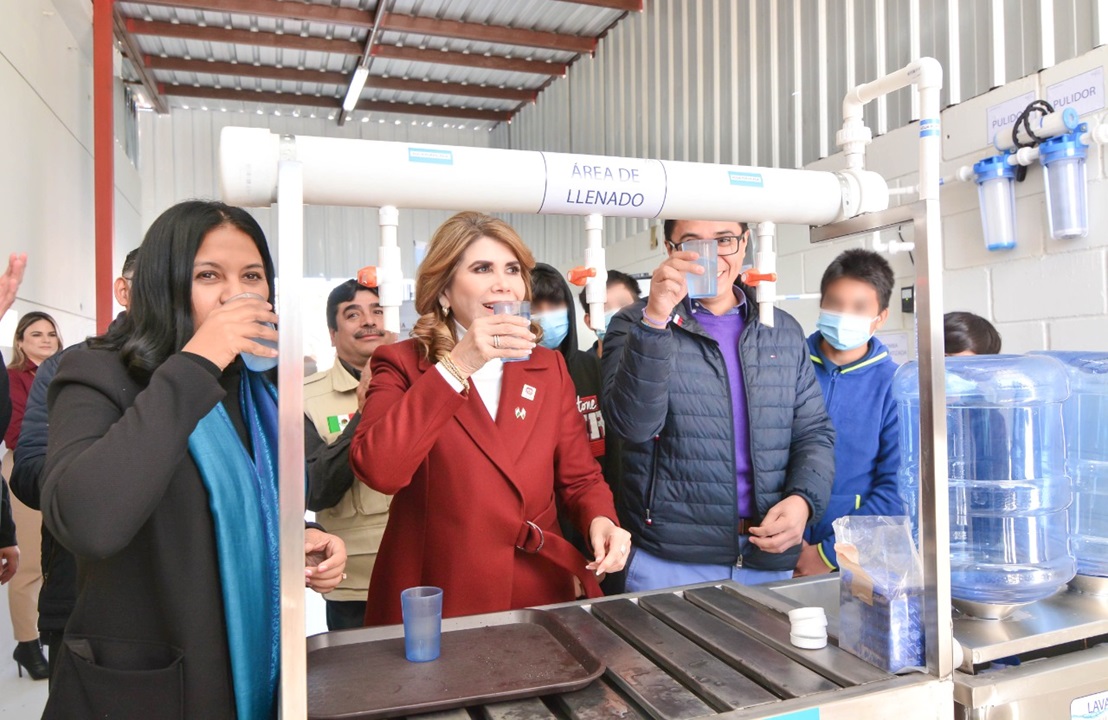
528,392
521,414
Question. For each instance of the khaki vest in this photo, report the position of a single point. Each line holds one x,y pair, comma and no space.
360,516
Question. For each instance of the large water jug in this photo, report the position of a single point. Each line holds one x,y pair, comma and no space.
1086,421
1009,491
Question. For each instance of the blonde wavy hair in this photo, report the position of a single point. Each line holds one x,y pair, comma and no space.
435,328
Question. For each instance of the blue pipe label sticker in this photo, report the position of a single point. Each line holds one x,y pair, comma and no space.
810,714
928,127
1090,707
430,155
745,179
584,184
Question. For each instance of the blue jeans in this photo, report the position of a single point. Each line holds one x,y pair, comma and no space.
650,572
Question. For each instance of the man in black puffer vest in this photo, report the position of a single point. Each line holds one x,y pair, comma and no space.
728,453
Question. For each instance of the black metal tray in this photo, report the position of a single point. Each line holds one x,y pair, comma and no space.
526,653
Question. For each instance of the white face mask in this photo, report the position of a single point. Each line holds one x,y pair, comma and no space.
844,331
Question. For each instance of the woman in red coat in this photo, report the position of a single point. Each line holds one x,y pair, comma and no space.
475,449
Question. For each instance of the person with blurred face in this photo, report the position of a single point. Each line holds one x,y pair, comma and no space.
855,372
472,426
622,291
727,448
332,407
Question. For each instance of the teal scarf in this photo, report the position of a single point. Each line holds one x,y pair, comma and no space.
242,494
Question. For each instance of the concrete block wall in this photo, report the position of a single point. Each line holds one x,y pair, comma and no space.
1044,293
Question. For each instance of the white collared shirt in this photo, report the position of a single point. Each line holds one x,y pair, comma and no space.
487,380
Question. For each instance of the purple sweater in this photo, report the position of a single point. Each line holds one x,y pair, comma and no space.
725,330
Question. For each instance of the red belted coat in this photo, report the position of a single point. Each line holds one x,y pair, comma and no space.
471,492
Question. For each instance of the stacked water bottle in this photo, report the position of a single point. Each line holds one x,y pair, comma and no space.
1016,517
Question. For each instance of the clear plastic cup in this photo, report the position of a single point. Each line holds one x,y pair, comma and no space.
703,286
519,308
422,610
256,362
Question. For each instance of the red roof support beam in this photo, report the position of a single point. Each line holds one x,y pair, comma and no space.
333,103
134,54
396,23
495,62
103,149
268,72
243,37
626,5
274,9
498,34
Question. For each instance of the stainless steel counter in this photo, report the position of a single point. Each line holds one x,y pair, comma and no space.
709,650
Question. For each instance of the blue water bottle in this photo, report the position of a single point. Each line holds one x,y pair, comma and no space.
1009,489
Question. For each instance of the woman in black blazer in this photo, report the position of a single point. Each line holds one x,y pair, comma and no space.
161,478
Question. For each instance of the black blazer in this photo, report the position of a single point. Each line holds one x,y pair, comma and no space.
147,637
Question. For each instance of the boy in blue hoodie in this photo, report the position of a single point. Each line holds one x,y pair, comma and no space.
855,372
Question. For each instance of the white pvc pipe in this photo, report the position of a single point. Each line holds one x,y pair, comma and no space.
390,276
1055,123
596,287
765,261
927,75
339,171
290,451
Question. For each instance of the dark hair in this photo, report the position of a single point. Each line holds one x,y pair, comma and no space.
158,322
669,225
865,266
129,263
547,285
615,277
344,293
964,331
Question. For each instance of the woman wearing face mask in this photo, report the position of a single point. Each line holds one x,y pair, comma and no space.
855,372
475,450
552,308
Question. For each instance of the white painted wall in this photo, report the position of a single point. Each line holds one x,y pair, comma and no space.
1043,294
46,175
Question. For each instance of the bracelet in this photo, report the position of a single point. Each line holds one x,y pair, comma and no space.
451,368
660,325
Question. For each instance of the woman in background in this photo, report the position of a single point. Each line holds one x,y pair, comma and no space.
967,334
36,338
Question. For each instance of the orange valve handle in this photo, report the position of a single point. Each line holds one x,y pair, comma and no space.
580,275
367,276
752,278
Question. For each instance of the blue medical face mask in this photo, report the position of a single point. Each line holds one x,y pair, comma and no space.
843,331
555,327
607,319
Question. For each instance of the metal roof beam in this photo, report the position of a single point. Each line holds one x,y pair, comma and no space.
243,37
131,50
392,22
334,103
626,5
303,12
473,60
268,72
498,34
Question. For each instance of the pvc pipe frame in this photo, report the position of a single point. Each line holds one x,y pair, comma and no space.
596,287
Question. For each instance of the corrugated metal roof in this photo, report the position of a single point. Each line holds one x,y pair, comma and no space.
569,18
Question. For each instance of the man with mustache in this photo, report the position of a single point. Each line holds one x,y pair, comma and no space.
332,403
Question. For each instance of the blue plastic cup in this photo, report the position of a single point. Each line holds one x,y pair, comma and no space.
703,286
254,362
519,308
422,609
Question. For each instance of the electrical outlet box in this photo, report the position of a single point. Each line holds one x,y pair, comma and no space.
908,299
